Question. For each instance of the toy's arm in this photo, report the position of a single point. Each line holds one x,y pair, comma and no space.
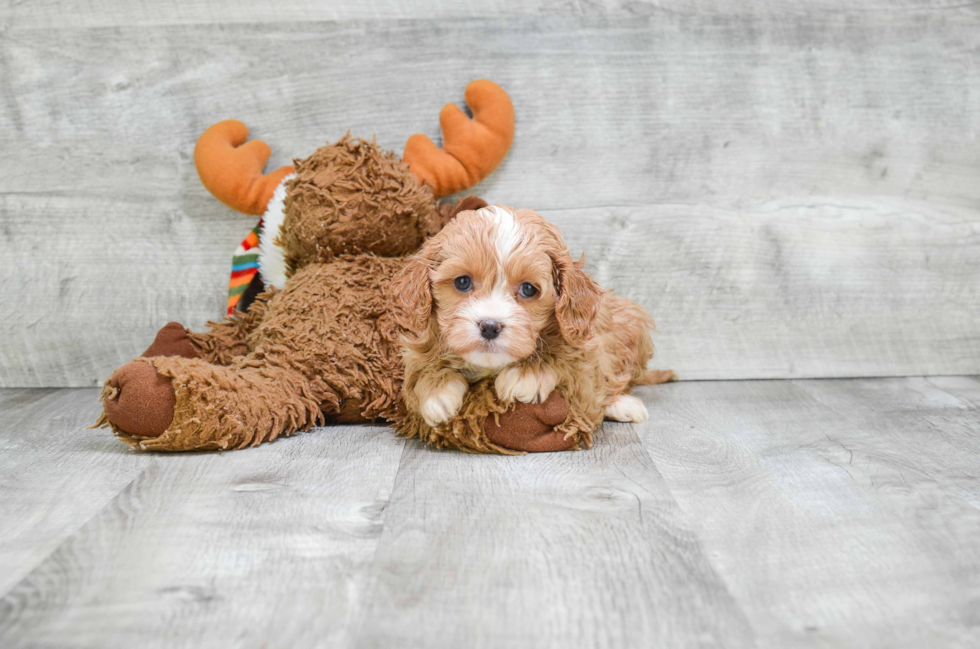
532,427
232,170
472,148
485,424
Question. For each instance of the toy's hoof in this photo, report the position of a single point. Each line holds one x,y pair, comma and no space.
530,427
143,402
172,340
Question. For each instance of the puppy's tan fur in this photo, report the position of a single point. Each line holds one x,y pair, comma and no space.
572,336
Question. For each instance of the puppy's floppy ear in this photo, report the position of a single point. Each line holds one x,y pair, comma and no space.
413,289
470,202
579,296
579,299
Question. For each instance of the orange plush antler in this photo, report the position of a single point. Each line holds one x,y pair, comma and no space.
232,170
471,148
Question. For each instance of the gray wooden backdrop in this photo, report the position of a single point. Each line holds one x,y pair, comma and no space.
792,188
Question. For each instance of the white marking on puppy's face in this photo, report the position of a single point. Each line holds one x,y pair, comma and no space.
486,312
496,305
508,231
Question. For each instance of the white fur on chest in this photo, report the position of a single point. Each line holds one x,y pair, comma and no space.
272,258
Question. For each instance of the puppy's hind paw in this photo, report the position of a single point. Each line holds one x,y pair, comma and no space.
627,408
443,404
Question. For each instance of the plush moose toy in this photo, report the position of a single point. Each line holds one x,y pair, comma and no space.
316,336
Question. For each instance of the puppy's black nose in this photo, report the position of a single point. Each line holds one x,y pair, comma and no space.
490,329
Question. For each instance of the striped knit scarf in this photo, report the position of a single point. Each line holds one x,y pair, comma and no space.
244,265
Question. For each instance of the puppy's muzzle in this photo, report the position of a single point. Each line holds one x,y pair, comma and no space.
490,329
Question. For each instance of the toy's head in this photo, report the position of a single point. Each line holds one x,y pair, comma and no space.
352,197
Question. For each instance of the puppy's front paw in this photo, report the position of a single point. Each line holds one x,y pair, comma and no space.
443,404
527,385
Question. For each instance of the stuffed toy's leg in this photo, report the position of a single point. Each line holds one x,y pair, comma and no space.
228,338
181,404
173,339
325,344
223,341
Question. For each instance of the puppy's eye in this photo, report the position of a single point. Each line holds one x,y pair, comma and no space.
527,290
463,284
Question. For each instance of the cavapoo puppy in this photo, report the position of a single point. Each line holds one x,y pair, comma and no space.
497,293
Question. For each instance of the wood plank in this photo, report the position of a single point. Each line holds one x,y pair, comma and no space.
265,547
964,387
789,290
831,292
832,525
86,299
611,112
52,14
554,550
936,421
54,474
821,158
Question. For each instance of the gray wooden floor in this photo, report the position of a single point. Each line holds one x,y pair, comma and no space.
751,513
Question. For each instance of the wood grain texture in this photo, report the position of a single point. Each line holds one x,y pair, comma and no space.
933,422
794,290
835,513
838,513
552,550
47,14
806,170
54,475
266,548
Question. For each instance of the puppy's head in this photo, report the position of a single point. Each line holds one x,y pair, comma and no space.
492,281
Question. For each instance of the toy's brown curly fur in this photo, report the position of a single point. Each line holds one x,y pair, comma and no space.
227,338
338,188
